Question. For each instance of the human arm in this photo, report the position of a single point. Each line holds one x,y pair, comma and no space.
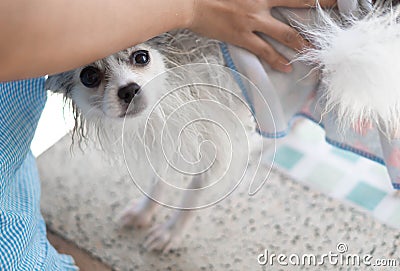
50,36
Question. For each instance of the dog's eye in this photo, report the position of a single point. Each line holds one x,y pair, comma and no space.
140,58
91,77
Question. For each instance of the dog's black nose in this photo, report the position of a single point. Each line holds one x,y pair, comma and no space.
127,93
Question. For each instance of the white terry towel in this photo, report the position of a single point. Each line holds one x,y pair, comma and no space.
347,84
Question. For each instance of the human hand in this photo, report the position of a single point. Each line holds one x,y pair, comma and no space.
237,21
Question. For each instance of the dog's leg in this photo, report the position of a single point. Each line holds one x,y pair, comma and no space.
167,236
139,214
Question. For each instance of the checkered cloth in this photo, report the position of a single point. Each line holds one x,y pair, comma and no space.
23,241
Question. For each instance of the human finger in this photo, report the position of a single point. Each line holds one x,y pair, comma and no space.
301,3
265,51
283,33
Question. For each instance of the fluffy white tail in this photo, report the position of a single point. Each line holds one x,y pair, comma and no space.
360,64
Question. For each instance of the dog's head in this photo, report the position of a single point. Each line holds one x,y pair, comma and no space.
116,86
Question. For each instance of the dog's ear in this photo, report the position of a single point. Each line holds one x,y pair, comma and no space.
61,82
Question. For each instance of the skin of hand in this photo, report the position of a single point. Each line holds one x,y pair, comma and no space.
237,21
51,36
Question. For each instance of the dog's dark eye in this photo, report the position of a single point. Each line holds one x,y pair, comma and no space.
140,58
91,77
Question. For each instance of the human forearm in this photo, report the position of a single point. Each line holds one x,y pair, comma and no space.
56,35
48,36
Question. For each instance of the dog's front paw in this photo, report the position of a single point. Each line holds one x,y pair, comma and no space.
165,237
136,215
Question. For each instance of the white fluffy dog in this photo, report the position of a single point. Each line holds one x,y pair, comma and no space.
179,124
189,119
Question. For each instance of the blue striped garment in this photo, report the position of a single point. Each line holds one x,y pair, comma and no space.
23,241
